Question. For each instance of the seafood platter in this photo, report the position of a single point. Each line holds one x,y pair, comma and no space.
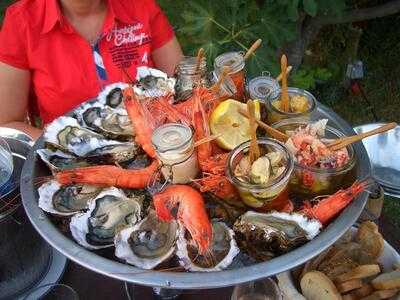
168,182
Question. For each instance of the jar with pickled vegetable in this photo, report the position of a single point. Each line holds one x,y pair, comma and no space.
301,105
263,183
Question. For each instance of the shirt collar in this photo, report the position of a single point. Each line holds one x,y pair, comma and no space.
115,11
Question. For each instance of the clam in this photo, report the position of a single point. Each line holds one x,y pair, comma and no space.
221,254
108,213
148,243
66,134
264,236
66,200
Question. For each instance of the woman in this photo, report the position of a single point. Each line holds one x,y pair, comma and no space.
57,54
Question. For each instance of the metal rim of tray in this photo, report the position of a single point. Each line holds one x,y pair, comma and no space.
185,280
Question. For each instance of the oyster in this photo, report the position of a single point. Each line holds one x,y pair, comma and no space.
112,123
153,83
223,250
109,212
66,134
117,153
58,160
112,95
148,243
264,236
66,200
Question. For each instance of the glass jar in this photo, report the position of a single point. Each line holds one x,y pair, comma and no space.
187,76
274,114
262,197
309,182
263,88
235,82
174,146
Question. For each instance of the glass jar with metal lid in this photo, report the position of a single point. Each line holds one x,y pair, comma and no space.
188,75
174,145
263,88
235,61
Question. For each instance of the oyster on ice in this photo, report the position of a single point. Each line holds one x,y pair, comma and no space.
66,200
108,213
222,251
112,95
148,243
264,236
65,133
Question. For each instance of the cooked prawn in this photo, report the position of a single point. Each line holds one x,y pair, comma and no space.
108,175
185,204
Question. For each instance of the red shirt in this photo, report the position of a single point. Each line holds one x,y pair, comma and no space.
66,70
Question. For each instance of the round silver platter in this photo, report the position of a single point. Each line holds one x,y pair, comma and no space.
34,168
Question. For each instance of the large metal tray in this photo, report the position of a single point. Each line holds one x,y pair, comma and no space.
34,168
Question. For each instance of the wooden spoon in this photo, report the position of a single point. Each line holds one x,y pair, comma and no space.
200,55
279,78
254,151
217,86
343,142
253,48
284,95
274,133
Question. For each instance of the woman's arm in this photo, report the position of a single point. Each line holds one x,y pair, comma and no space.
14,92
167,57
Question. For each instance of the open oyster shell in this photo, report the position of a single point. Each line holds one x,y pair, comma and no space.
112,95
66,200
108,213
153,83
58,160
66,134
110,122
148,243
264,236
222,252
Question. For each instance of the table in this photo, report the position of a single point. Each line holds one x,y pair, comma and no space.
90,285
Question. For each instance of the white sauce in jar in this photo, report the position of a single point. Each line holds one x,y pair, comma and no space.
174,145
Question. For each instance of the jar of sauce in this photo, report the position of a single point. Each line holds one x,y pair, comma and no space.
188,75
174,146
263,88
235,61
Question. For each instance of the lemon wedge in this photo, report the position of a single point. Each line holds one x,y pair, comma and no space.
232,127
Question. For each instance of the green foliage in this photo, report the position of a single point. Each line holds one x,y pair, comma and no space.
307,77
233,25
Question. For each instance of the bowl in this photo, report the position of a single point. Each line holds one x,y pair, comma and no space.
272,195
275,115
309,182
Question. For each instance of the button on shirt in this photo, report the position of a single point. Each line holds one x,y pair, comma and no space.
66,69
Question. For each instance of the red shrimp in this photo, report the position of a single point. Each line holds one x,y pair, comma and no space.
185,204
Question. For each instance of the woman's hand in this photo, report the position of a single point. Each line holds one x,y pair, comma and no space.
14,93
167,57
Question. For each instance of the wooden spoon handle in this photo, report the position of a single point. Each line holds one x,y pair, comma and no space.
253,48
285,95
270,130
216,87
355,138
200,55
254,152
279,78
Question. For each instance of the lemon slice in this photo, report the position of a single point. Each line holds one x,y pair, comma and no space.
232,127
